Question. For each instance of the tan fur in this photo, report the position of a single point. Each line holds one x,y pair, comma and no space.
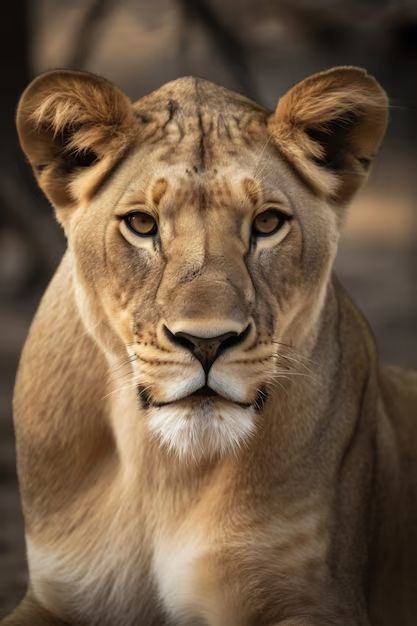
336,95
290,497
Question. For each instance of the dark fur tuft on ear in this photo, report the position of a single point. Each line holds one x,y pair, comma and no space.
69,121
330,127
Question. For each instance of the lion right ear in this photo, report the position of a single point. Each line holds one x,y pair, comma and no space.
330,126
73,127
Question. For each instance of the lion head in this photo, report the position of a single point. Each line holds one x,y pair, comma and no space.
202,230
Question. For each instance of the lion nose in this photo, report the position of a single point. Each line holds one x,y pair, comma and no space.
207,349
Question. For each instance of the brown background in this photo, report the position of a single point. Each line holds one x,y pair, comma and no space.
259,47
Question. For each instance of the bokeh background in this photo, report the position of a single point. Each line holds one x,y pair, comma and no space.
259,47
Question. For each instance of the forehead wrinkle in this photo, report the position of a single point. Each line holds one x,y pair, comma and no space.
202,194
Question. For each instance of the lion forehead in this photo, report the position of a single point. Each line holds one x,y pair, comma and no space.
193,117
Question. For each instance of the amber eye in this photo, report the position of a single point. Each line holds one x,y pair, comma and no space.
141,224
269,222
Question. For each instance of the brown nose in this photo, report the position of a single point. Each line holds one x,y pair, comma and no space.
207,349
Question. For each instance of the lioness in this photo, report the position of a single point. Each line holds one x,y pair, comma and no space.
204,433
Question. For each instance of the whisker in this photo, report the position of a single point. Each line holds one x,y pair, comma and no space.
289,373
293,360
292,357
163,362
275,382
122,388
123,363
292,348
294,366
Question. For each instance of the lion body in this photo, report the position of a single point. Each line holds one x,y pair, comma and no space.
298,510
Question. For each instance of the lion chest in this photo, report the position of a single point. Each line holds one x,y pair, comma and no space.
176,564
201,580
109,582
191,583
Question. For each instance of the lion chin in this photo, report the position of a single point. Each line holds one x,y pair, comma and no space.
198,427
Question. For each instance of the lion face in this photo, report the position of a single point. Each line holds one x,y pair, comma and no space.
206,273
201,242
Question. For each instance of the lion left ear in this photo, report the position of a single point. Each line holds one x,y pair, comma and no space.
330,126
73,127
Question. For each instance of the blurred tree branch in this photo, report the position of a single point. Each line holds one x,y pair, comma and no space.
94,18
232,50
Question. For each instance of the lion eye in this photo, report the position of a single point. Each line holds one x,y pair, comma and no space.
269,222
141,224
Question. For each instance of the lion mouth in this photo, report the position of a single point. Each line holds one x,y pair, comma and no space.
204,392
200,394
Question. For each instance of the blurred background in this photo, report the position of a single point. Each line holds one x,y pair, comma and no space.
259,47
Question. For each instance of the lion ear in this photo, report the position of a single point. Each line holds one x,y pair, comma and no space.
330,126
73,127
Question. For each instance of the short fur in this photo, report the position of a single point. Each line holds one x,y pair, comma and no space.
290,497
